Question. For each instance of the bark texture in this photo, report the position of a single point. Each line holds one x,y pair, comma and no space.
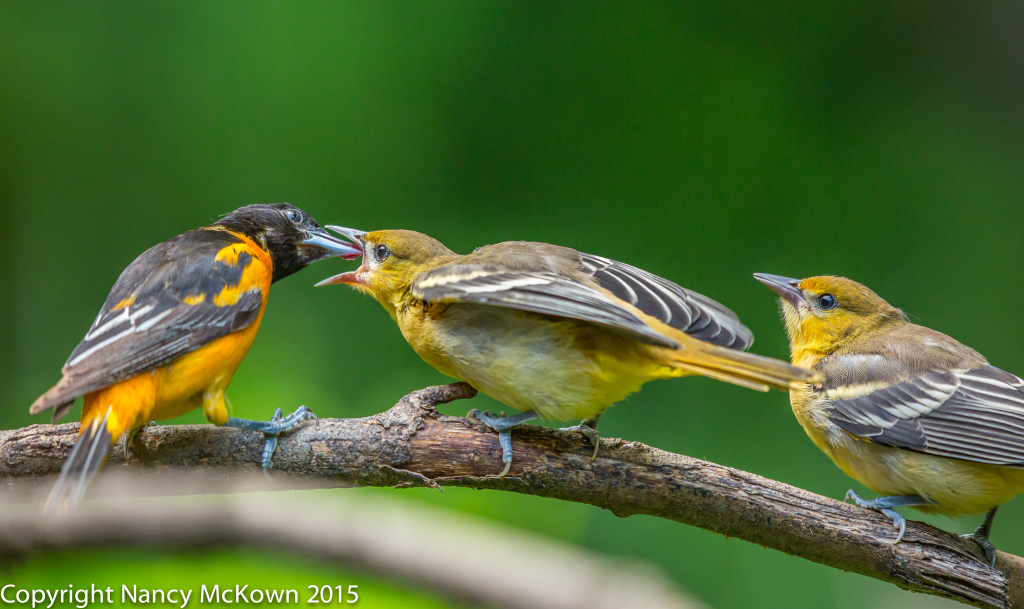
412,444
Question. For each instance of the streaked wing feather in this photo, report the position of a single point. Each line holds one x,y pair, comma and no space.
973,415
690,312
536,292
158,324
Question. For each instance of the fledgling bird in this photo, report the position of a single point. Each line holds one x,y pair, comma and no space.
912,414
552,332
174,328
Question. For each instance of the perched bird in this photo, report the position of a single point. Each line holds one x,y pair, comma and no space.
175,327
910,413
555,333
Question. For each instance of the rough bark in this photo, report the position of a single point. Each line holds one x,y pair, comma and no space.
412,444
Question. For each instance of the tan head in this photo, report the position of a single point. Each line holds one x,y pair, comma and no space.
824,313
392,259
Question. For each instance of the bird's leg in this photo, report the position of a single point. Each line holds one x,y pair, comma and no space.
271,429
503,425
885,505
128,435
588,427
980,537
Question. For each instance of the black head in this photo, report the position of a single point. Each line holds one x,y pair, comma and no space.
291,237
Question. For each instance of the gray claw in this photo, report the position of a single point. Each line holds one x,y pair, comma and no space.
271,429
898,521
589,433
502,425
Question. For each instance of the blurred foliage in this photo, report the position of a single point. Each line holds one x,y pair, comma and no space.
226,568
701,141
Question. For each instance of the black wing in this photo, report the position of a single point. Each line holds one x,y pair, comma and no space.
535,291
162,306
674,305
974,415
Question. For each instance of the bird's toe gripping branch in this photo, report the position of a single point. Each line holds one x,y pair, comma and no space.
271,429
885,505
980,537
502,425
588,429
986,547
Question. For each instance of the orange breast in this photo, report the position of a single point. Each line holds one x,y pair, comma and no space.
196,377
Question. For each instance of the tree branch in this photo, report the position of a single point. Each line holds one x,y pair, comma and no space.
413,445
423,546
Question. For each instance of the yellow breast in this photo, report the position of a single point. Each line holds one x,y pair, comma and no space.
959,487
561,368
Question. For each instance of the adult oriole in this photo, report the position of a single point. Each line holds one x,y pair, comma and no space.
552,332
910,413
175,327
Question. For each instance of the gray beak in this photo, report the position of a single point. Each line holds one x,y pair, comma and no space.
786,287
353,235
333,245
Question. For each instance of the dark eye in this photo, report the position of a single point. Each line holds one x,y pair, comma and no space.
293,215
381,252
826,302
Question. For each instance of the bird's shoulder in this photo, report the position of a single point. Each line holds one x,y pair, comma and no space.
521,256
192,281
895,354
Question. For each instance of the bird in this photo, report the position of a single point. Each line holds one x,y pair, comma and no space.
175,326
552,332
912,414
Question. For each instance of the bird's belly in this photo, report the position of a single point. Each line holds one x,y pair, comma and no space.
206,370
958,487
174,389
531,362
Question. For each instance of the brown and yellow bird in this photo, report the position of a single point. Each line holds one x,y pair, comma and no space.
907,411
174,328
555,333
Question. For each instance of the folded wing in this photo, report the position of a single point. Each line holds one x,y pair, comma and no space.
535,291
175,298
974,415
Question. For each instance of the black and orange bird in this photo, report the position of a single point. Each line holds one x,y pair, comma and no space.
550,331
908,412
174,328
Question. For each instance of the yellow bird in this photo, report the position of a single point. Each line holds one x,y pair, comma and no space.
907,411
552,332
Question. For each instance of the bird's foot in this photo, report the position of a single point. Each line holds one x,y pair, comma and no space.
980,537
503,425
587,429
885,505
986,546
271,429
130,435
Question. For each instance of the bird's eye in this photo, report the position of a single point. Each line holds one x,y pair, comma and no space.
381,252
293,215
826,302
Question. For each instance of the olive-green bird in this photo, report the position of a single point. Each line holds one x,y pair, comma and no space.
555,333
911,413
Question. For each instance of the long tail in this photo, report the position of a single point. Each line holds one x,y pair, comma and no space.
739,367
86,458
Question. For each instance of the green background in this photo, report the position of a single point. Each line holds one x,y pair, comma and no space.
700,141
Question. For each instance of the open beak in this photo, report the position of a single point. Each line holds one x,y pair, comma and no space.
333,245
786,287
353,235
351,277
